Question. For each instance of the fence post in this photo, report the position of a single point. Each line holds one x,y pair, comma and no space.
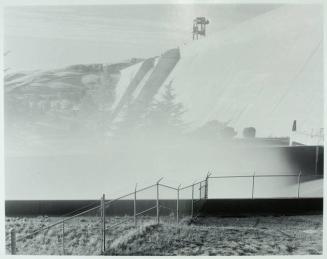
135,206
206,186
253,185
13,241
316,160
177,204
157,203
192,204
103,217
63,238
206,189
298,184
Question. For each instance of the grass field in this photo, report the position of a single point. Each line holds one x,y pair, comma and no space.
284,235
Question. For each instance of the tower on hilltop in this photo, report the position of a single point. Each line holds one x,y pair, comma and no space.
199,27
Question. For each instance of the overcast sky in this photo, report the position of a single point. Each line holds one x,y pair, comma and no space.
55,36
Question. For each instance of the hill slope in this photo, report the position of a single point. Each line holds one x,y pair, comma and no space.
265,72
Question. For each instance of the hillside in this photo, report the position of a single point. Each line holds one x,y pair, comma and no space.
43,108
264,72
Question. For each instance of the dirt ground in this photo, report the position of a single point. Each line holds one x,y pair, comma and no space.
283,235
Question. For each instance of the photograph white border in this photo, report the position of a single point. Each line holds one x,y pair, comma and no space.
5,3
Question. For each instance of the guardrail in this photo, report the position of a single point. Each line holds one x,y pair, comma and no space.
307,138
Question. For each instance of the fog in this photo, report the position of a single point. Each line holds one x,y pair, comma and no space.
114,167
178,112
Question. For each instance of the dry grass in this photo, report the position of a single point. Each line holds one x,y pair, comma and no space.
296,235
286,235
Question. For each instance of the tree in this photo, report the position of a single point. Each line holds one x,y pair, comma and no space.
161,119
165,116
215,130
249,132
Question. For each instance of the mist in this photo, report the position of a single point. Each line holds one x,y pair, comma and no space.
178,110
114,166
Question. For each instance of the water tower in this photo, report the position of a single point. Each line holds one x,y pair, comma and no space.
199,27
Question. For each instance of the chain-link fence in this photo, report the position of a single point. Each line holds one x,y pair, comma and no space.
92,229
287,185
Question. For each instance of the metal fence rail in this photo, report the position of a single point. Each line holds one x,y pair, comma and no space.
300,176
198,193
103,226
